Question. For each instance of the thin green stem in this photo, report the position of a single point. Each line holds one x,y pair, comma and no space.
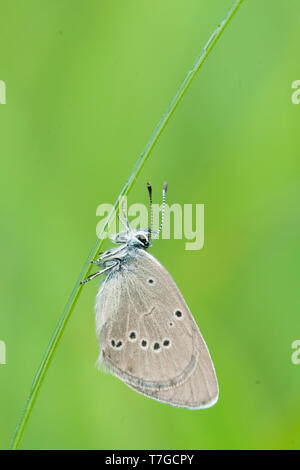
59,330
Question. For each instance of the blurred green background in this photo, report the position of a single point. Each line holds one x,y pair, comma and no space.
86,84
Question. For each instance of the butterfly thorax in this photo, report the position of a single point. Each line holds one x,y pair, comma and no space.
139,238
129,241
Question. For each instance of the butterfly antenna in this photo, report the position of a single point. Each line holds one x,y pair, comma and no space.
165,187
151,210
122,222
125,216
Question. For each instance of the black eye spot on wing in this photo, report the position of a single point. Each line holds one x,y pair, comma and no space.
144,344
151,281
178,314
170,324
166,343
119,344
113,343
156,346
132,336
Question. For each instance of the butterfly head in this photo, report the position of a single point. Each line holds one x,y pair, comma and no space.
139,238
129,239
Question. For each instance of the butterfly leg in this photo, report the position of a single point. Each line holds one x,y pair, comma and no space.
95,261
105,255
92,276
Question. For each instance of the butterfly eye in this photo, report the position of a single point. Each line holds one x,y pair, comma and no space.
141,238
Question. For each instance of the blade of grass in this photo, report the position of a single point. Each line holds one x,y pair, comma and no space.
40,375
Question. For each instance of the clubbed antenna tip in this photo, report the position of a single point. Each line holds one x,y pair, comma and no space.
151,210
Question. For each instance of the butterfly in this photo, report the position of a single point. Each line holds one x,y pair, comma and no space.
148,337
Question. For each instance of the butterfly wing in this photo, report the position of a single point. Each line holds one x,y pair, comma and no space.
148,337
200,390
